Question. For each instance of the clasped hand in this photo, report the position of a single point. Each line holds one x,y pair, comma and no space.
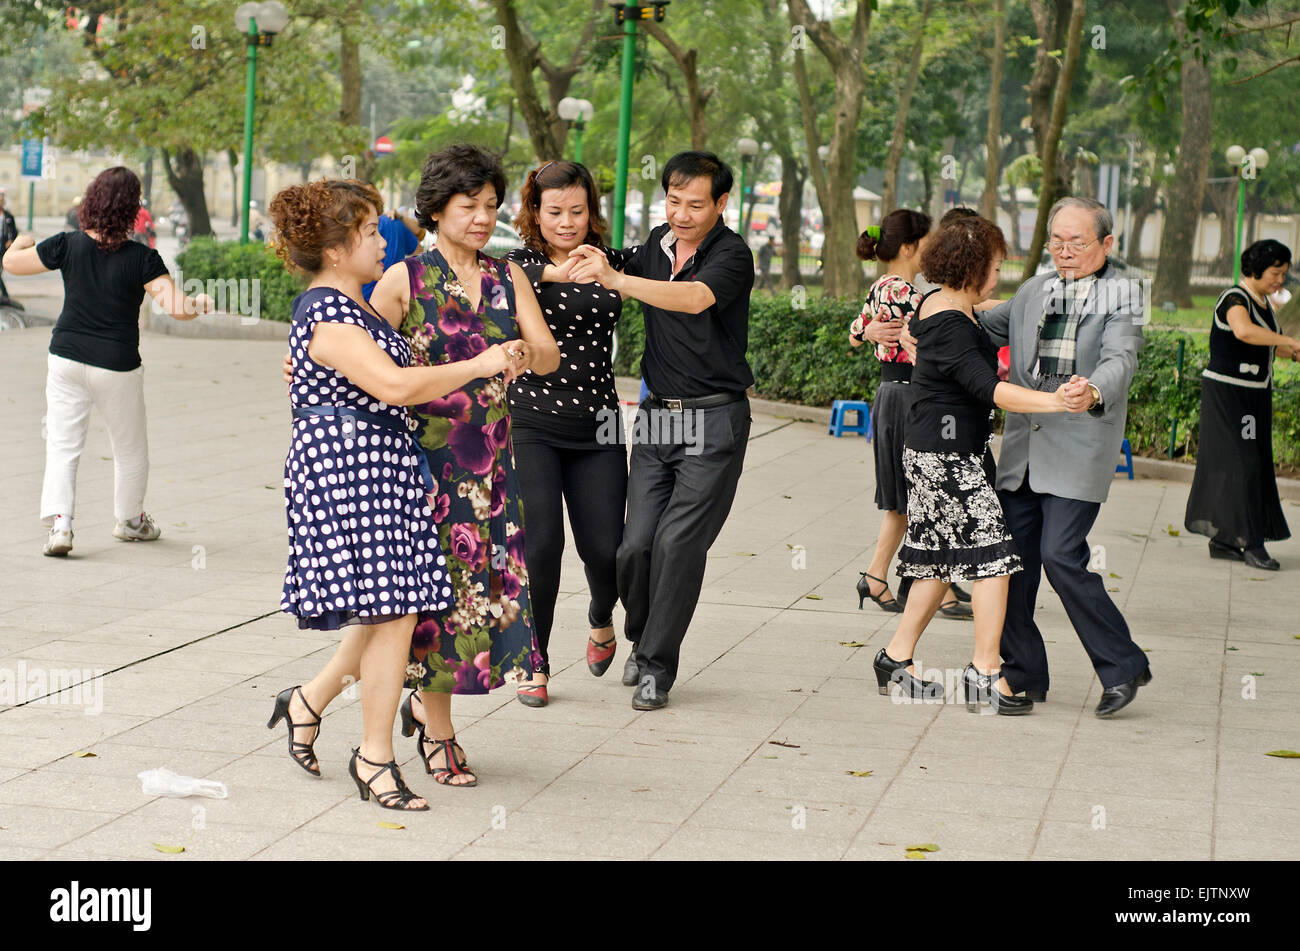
1075,395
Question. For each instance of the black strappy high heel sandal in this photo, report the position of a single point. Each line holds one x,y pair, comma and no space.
443,775
399,798
410,726
864,591
300,753
890,671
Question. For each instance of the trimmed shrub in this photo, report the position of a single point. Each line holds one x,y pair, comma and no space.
207,259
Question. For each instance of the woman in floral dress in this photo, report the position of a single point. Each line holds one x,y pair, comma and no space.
451,303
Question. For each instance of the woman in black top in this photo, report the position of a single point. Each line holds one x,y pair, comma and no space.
94,356
1234,496
955,528
566,426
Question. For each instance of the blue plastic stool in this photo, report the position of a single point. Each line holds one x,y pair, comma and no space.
1128,460
839,418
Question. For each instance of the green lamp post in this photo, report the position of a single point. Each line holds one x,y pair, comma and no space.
1246,164
259,22
576,112
626,15
747,148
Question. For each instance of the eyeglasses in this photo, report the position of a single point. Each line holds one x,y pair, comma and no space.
1056,247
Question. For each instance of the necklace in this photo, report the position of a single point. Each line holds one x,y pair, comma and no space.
1258,299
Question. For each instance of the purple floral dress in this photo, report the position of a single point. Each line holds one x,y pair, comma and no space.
487,635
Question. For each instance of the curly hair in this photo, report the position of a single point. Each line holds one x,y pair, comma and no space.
962,252
556,175
110,206
901,226
318,215
455,170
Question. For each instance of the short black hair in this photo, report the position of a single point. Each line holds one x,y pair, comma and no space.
456,170
685,166
1262,255
952,214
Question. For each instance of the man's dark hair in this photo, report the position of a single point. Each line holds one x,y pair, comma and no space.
456,170
952,214
1262,255
685,166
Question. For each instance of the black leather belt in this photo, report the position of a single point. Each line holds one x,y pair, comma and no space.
696,402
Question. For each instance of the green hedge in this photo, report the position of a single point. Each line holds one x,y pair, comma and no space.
802,355
208,259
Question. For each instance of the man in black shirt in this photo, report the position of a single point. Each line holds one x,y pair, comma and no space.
693,277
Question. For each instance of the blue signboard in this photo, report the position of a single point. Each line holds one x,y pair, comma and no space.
33,156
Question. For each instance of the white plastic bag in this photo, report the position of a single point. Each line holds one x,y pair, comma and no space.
163,782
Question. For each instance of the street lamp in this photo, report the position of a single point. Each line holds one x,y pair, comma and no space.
625,16
576,112
747,148
1247,164
259,22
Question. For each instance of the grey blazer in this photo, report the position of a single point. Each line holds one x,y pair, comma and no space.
1070,455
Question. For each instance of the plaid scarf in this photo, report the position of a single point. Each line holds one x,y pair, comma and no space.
1058,328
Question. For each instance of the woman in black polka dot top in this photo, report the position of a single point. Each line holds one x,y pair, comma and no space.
565,425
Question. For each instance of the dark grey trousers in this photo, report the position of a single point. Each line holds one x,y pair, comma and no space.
680,488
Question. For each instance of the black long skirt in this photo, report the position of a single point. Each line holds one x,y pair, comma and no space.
888,422
1234,492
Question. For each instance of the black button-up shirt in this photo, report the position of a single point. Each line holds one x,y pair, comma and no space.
694,355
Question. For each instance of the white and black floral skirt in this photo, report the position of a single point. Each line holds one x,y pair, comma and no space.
955,527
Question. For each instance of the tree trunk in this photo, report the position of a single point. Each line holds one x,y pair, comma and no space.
1133,251
1012,207
1288,318
522,60
1224,199
790,206
993,132
697,100
186,180
1051,19
889,195
233,160
1187,190
147,181
1052,141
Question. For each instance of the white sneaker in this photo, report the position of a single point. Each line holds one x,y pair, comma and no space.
146,531
58,544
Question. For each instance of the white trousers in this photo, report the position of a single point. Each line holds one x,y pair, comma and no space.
71,389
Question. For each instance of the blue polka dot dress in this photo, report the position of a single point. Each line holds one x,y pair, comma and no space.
363,546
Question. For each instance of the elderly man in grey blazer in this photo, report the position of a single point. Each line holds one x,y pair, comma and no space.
1054,471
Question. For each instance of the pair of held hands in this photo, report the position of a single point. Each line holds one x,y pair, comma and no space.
585,265
1074,396
509,359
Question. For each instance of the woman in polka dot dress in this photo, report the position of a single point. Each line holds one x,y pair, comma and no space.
566,427
363,544
450,303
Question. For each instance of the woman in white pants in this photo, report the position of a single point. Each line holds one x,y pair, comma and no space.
94,356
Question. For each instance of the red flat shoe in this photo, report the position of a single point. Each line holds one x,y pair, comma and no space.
601,655
532,695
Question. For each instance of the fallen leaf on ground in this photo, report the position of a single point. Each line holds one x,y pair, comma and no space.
1232,648
391,825
852,644
1284,754
793,746
857,772
914,855
927,847
813,597
1173,531
169,849
769,757
744,554
1112,589
1113,575
83,754
1257,673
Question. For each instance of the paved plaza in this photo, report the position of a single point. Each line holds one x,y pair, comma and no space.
775,745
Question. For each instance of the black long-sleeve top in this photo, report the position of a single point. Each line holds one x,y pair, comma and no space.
952,385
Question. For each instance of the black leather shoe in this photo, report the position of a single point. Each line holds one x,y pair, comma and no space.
1228,552
1114,699
979,689
647,697
955,609
960,593
631,669
1037,696
1259,558
890,671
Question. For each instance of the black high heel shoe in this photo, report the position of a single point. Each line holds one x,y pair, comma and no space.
980,689
864,591
300,753
399,798
410,725
890,671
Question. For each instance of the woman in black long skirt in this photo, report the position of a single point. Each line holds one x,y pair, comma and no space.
1234,496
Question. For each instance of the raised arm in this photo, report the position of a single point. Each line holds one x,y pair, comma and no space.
21,258
686,297
175,304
